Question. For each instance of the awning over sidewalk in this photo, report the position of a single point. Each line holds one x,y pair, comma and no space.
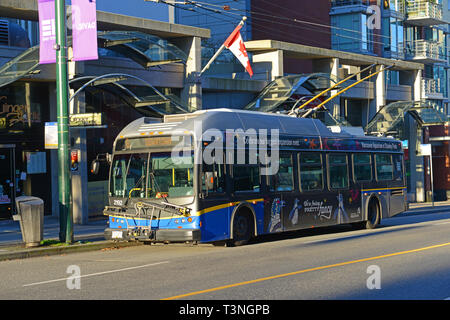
146,50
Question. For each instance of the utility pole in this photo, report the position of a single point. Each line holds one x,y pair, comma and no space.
62,97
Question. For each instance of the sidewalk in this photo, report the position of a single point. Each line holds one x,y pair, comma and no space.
90,236
86,237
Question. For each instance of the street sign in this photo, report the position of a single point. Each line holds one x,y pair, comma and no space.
424,150
51,135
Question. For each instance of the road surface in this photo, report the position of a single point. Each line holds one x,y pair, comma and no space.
405,258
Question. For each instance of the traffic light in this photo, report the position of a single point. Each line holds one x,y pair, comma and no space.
386,4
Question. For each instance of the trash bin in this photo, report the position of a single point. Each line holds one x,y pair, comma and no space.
30,213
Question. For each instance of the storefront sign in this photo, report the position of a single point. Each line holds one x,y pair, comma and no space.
12,114
84,30
86,120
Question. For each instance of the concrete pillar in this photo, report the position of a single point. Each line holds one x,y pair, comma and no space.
331,67
417,86
273,61
78,144
79,175
191,94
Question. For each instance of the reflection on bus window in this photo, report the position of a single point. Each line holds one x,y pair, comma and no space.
213,178
171,176
398,167
338,171
362,167
311,172
283,180
384,166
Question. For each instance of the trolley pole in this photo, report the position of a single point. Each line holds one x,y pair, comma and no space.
62,97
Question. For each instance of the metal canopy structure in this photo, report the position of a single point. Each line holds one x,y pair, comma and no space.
145,98
280,94
284,94
146,50
388,119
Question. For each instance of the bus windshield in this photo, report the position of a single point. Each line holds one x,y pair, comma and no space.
165,175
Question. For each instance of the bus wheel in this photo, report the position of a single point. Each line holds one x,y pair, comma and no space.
373,214
242,228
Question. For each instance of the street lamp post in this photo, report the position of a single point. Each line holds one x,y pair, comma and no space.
62,97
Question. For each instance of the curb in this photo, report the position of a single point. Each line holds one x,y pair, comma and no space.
49,251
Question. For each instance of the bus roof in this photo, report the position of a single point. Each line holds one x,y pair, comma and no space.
223,119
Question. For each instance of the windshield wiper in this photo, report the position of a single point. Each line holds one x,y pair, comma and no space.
152,174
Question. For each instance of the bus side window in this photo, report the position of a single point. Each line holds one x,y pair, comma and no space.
311,171
338,171
398,167
246,178
384,167
362,167
283,180
213,178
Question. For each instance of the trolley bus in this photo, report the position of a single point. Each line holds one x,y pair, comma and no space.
202,177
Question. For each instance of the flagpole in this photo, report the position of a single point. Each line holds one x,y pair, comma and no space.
220,49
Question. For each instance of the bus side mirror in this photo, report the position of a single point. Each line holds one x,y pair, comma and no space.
95,166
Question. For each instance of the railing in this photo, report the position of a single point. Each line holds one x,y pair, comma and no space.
423,9
340,3
431,87
424,49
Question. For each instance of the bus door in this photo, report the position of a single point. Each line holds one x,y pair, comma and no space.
7,190
214,196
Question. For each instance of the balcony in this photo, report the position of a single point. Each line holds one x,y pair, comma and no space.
340,3
431,89
424,51
424,13
348,6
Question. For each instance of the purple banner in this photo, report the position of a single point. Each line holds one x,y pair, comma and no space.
84,30
47,38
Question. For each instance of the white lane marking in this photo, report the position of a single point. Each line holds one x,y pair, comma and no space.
441,223
97,273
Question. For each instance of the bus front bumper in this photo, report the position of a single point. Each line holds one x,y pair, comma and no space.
171,235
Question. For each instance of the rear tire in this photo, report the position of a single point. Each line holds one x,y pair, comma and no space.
242,228
373,214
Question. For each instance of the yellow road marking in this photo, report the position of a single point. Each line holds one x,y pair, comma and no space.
305,271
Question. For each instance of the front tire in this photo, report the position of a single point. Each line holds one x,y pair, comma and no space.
242,228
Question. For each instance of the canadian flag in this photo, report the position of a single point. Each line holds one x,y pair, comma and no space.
236,45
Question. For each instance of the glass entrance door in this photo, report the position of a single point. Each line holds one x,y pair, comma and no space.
7,183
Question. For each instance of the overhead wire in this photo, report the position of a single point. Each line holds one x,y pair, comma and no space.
271,17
